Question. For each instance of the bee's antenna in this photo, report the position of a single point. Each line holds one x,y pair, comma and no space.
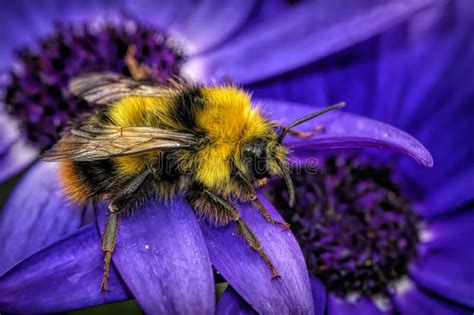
303,119
289,183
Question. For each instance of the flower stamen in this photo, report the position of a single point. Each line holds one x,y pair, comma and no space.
37,93
357,230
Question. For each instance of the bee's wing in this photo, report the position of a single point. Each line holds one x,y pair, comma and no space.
108,87
92,142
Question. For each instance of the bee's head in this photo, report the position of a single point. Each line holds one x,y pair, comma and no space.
262,157
266,157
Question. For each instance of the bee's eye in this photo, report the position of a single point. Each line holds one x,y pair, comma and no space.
256,158
254,150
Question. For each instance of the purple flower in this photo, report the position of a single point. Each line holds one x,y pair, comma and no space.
164,256
380,235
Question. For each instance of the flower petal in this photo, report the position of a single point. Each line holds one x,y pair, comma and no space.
445,135
15,153
312,31
337,306
9,133
453,192
415,301
36,215
231,303
344,130
164,14
451,44
162,257
213,21
319,296
61,277
16,158
246,271
446,258
390,76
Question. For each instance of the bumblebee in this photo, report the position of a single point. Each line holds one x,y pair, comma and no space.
152,142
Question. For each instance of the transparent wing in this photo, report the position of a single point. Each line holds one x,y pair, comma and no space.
108,87
92,142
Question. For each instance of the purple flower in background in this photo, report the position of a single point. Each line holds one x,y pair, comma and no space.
50,250
380,235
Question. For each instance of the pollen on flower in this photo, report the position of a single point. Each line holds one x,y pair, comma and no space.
36,90
356,229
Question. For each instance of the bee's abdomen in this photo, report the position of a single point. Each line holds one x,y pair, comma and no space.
73,186
84,181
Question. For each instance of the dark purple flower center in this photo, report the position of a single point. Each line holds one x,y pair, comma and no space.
37,91
357,230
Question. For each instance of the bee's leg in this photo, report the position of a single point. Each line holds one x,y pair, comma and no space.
249,236
206,204
261,208
137,71
302,134
252,196
125,197
118,204
203,200
108,245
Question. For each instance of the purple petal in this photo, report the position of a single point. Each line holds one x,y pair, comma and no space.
61,277
344,130
319,296
9,132
18,156
338,306
452,44
397,69
453,192
453,92
245,270
355,69
213,21
162,257
445,134
36,215
231,303
415,301
15,153
446,261
309,32
164,13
